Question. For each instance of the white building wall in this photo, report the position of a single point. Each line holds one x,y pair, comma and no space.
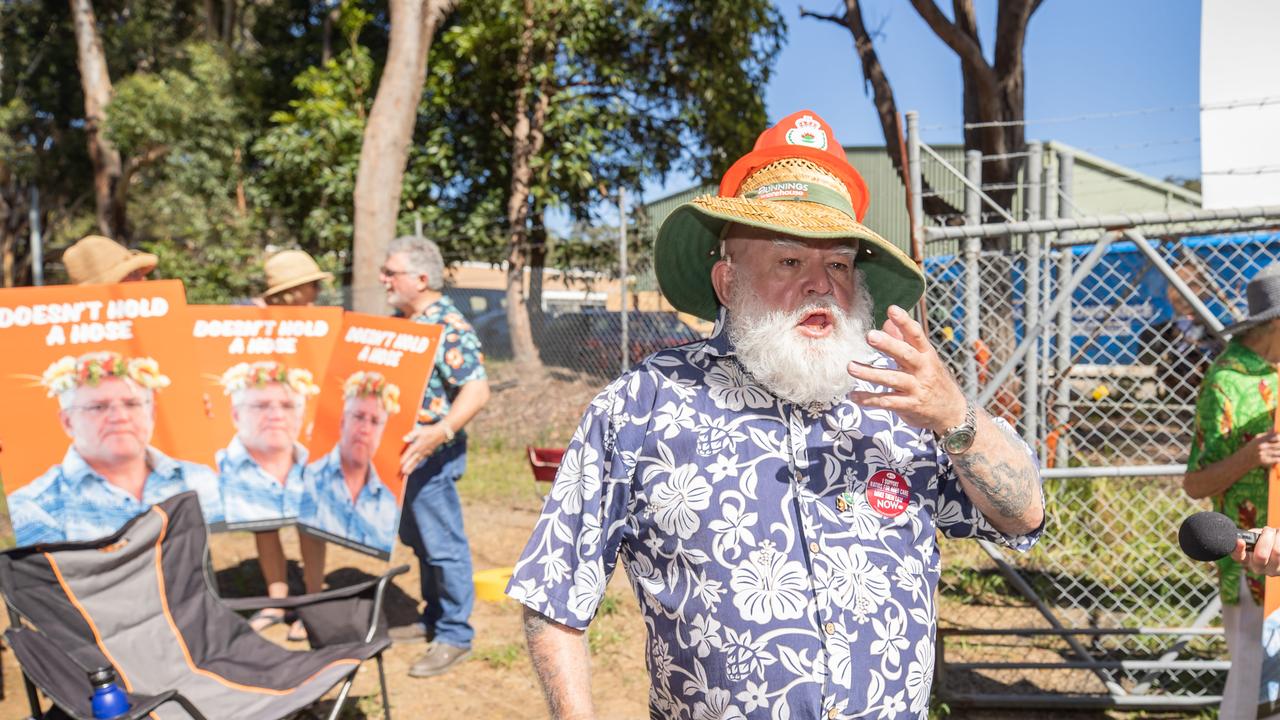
1240,61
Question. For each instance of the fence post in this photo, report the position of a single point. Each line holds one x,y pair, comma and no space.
37,239
622,273
1066,209
972,275
1031,300
917,184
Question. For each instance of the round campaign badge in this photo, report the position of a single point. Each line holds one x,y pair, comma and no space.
887,493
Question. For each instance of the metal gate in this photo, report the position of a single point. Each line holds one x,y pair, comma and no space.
1090,335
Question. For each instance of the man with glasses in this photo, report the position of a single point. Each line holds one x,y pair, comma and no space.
342,494
110,473
436,456
261,473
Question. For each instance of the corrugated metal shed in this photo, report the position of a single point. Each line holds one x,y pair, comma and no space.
1099,187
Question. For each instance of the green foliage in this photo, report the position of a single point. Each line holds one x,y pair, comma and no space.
502,657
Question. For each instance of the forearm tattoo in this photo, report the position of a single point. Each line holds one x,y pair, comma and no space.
1009,488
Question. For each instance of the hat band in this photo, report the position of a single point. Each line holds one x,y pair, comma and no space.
805,192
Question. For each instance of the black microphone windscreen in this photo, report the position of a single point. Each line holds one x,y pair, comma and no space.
1207,536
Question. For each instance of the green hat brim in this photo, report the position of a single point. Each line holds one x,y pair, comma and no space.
688,245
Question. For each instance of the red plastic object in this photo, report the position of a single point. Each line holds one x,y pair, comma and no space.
545,462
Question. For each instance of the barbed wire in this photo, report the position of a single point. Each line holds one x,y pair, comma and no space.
1223,105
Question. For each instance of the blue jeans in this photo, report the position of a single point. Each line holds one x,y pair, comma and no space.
431,524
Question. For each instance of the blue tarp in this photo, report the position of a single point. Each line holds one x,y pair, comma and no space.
1124,295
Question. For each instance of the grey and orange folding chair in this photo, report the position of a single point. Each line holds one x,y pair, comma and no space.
139,601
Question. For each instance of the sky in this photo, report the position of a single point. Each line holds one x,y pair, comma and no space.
1136,59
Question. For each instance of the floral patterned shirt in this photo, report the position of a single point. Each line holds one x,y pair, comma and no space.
784,557
1237,403
458,362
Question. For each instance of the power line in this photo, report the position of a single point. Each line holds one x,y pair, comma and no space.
1256,170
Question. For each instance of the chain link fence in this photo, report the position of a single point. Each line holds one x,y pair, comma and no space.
1099,369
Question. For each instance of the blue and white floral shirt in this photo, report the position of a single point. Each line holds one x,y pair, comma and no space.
71,501
371,520
784,557
250,494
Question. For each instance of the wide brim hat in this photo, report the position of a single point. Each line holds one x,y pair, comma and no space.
95,259
289,269
797,182
1263,297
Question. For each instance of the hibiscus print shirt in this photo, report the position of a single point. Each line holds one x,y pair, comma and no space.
784,557
458,362
1237,403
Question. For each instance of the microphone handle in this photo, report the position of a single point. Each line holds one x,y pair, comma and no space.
1249,537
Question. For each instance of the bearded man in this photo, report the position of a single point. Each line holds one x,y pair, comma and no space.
775,490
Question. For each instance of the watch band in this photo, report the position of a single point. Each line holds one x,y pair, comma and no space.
957,440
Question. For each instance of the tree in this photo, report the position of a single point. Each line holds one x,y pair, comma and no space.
993,91
96,84
555,105
387,135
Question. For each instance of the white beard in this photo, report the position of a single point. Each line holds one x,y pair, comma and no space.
795,368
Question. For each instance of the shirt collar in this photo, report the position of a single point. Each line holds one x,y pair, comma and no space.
238,454
77,470
1251,362
718,343
333,466
440,307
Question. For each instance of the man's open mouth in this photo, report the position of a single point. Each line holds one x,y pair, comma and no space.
817,320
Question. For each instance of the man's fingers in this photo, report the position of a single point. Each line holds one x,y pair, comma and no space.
1241,552
906,356
892,379
908,329
1263,549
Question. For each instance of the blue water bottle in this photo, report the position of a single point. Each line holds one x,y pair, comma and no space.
109,700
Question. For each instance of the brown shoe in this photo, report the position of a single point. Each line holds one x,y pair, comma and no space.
438,658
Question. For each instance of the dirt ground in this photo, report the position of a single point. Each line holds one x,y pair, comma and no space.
500,507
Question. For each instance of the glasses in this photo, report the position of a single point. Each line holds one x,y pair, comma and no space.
386,272
267,406
366,419
102,409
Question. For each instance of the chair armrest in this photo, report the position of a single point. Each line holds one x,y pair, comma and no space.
143,705
296,601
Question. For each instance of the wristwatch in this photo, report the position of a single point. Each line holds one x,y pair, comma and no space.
448,431
957,440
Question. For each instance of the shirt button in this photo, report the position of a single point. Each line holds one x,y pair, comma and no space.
813,547
832,713
830,628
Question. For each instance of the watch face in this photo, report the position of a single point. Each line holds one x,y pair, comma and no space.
958,440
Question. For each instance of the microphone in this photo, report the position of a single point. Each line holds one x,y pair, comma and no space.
1210,536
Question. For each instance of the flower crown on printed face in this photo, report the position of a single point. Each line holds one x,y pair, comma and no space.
69,372
243,376
372,384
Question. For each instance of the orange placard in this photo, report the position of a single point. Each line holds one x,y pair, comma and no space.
369,401
1271,588
55,341
257,364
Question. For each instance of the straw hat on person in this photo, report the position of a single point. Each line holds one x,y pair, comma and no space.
95,259
289,269
1263,296
798,182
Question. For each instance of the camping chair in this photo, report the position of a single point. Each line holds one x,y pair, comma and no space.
137,601
544,462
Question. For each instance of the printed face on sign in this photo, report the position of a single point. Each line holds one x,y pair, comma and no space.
268,418
110,422
363,420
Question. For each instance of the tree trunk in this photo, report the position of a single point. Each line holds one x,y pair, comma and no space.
526,143
96,84
537,268
387,135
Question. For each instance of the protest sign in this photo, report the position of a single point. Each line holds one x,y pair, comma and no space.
369,400
259,369
97,398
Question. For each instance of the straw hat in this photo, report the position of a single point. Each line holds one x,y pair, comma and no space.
798,182
290,268
95,259
1263,295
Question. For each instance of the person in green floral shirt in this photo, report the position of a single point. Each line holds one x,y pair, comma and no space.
1234,447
